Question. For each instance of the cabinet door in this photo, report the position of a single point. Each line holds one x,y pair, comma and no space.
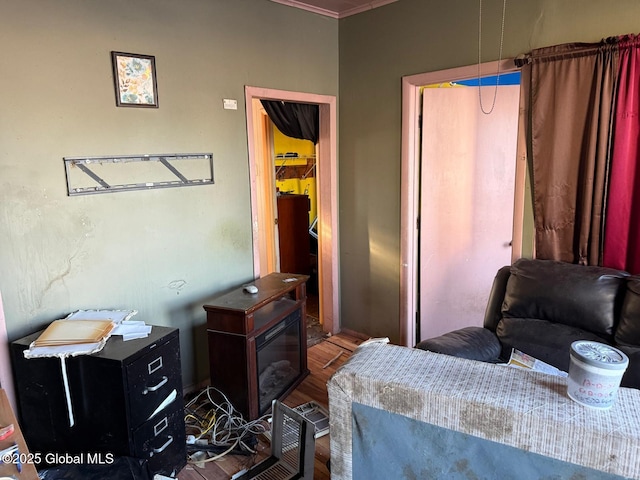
293,233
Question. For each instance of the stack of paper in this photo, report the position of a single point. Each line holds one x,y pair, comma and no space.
129,329
67,332
116,316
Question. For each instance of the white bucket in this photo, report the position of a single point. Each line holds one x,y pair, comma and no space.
595,373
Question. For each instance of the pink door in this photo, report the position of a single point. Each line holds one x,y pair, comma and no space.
467,202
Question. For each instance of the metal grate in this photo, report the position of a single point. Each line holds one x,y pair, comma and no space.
292,448
278,471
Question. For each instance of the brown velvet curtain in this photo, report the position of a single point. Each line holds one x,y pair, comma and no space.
570,112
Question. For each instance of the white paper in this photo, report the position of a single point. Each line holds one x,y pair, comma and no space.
64,350
520,359
167,401
115,316
130,330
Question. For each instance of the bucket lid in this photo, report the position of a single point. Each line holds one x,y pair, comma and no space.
599,355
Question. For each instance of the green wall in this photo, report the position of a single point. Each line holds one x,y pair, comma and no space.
161,252
378,48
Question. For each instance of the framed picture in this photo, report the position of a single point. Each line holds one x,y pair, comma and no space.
135,80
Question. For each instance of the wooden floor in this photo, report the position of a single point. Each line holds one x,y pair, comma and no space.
314,387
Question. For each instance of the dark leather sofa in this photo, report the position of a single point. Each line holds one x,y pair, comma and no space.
541,306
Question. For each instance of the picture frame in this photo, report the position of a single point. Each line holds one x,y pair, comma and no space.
135,81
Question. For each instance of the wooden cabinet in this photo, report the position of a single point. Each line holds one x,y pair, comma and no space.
258,342
26,459
115,395
293,233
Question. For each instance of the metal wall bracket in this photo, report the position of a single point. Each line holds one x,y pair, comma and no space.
91,175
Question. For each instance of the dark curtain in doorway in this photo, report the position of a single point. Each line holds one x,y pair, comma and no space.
296,120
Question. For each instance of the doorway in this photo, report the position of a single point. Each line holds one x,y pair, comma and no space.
262,180
411,190
466,202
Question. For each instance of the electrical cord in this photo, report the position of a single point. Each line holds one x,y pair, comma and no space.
220,424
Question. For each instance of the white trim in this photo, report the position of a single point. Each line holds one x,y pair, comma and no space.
331,13
409,188
327,191
410,178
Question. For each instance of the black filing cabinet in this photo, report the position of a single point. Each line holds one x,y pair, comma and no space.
126,400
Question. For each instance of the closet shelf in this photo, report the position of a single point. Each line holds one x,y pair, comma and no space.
285,156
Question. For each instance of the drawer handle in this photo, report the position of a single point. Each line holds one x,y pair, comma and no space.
155,387
163,447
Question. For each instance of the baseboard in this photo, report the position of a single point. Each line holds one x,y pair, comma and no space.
195,387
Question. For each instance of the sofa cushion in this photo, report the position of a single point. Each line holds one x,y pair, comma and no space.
628,331
546,341
587,297
473,343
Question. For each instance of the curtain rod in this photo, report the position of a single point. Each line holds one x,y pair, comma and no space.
568,50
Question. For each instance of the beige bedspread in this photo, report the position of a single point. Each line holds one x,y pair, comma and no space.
527,410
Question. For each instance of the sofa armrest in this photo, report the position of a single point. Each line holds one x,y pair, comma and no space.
473,343
493,312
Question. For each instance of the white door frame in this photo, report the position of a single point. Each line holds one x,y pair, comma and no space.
410,184
327,192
